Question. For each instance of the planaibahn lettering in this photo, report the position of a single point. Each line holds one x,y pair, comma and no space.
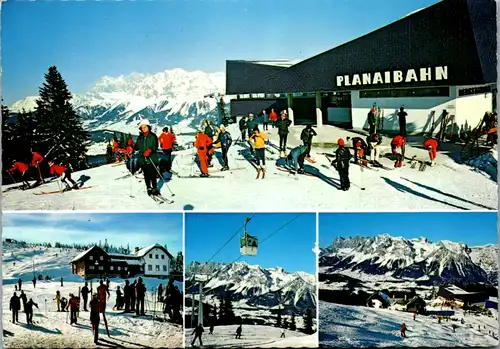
396,76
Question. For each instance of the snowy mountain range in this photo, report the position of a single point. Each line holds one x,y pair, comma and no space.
259,286
417,259
165,98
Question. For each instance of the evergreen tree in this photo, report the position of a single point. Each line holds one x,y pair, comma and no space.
228,310
59,128
221,310
285,323
178,262
293,326
308,321
278,319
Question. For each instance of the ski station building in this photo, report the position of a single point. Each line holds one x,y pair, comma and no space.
442,57
152,261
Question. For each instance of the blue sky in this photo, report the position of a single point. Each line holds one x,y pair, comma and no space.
89,39
137,229
290,248
472,228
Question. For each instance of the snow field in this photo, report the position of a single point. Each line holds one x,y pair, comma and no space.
253,336
349,326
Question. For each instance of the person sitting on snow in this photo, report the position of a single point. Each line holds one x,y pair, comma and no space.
295,160
64,174
360,150
431,145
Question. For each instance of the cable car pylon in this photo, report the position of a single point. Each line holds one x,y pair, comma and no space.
248,243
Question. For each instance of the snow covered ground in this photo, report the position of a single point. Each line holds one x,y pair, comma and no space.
253,336
350,326
446,186
52,329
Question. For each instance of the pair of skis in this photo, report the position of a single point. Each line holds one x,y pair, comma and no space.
160,199
414,162
61,191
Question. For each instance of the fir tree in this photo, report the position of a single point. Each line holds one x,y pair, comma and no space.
285,323
278,319
308,322
228,310
293,326
59,128
221,310
178,262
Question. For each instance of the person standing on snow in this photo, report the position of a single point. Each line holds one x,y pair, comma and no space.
28,309
283,124
20,283
259,144
34,282
126,295
36,160
202,143
102,290
167,140
371,120
282,333
24,299
225,140
198,331
397,145
22,168
160,292
306,137
295,160
133,296
95,309
63,173
62,284
140,291
58,300
119,299
251,125
341,164
238,332
273,117
85,295
431,145
265,120
243,128
403,330
15,306
414,316
147,145
402,121
73,306
374,142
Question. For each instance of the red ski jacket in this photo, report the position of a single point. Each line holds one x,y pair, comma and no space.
431,143
166,140
37,158
19,166
57,170
398,141
131,142
202,142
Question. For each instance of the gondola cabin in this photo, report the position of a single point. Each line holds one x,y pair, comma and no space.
249,245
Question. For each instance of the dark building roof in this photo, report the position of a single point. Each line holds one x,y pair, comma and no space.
459,34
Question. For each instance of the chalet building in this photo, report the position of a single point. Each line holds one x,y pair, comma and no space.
156,260
416,305
456,293
442,57
93,263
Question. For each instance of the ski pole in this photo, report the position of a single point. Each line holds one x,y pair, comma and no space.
12,177
162,179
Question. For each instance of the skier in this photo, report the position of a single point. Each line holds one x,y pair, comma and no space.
140,291
371,120
28,309
259,144
265,120
62,284
119,299
22,168
160,292
454,327
130,147
126,296
295,160
273,117
147,145
133,296
34,282
20,283
58,300
402,121
198,331
374,142
225,141
23,299
208,129
251,125
64,303
15,306
306,136
403,330
360,150
211,329
243,128
202,143
36,160
85,294
102,290
73,305
64,174
167,140
397,144
341,164
238,332
431,145
414,316
282,333
95,309
283,124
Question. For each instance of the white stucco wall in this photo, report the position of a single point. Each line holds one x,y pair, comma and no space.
154,262
467,110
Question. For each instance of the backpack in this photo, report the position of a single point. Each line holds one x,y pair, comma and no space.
229,139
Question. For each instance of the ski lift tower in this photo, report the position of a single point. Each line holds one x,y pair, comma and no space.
217,97
197,289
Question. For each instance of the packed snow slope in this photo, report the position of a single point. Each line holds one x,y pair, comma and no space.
446,186
360,327
259,287
419,259
52,329
253,336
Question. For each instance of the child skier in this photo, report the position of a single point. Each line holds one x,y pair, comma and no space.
64,173
397,145
259,144
295,160
341,163
431,145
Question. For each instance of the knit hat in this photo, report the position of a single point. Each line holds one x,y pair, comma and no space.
340,142
144,122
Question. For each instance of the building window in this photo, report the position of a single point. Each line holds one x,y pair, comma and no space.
164,268
111,268
150,267
91,258
151,255
91,267
119,268
101,267
156,256
101,258
157,267
474,91
162,256
406,92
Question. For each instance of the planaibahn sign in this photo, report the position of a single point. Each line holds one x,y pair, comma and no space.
394,77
